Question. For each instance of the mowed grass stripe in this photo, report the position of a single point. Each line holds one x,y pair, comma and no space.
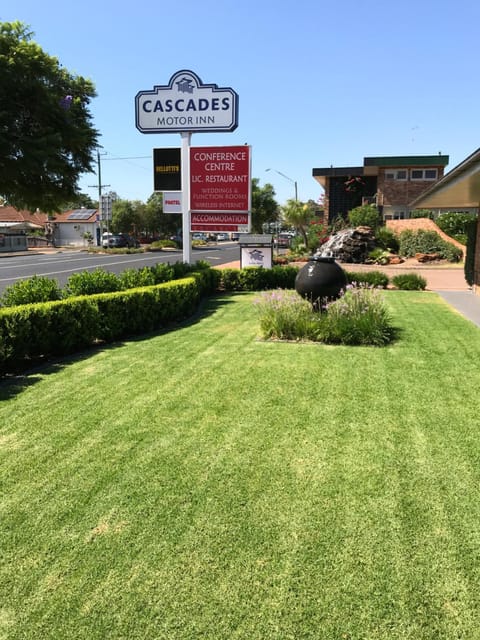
204,484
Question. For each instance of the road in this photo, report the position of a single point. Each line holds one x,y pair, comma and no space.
59,266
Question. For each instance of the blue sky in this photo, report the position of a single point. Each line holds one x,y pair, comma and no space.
319,83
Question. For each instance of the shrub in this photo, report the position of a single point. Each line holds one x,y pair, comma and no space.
87,283
44,329
132,278
409,282
317,234
364,216
460,237
386,239
258,278
423,241
378,256
454,224
64,326
162,244
31,290
162,272
372,278
451,253
471,229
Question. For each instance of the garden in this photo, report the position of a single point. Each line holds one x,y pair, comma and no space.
204,482
363,238
38,320
188,452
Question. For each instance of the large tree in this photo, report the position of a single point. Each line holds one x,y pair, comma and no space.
264,206
127,216
158,222
46,135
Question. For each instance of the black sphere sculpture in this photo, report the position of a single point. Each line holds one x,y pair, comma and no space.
320,279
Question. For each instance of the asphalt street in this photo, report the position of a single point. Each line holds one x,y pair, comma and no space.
59,266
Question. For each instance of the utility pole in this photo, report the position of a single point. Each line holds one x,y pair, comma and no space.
100,187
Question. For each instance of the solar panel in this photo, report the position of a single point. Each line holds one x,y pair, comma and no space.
81,214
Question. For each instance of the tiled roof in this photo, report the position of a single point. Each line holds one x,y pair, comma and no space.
10,214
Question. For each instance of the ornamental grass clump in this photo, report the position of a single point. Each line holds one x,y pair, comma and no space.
284,315
358,317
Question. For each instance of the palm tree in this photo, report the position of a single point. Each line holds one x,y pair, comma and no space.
298,214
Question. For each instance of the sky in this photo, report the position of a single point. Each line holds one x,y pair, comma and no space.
320,83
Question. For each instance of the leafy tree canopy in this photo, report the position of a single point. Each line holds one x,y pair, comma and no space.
81,200
156,222
127,216
264,206
46,134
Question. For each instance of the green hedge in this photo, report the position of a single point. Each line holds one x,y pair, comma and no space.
471,230
409,282
258,278
372,278
61,327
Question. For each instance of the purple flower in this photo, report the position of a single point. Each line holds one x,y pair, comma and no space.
66,102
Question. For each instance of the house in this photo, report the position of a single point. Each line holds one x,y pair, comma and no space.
459,189
73,228
392,183
69,229
15,224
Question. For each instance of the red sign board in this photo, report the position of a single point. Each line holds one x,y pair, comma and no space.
225,221
220,179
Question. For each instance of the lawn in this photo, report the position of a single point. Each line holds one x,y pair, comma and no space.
201,483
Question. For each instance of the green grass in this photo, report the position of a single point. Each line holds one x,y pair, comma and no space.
205,484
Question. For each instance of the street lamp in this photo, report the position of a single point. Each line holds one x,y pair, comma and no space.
294,182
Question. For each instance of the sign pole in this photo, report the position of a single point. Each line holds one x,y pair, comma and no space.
186,238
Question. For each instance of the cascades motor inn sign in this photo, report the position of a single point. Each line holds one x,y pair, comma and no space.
184,105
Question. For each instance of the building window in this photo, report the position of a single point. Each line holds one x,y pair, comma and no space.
396,174
394,213
423,174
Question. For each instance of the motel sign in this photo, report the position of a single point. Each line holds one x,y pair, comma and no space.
186,105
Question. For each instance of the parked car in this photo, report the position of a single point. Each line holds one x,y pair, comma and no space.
178,240
222,237
119,240
283,240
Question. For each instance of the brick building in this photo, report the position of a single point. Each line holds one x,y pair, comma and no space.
458,190
392,183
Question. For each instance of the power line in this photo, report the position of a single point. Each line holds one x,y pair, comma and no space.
130,158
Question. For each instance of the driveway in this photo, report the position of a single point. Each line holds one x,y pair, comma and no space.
442,277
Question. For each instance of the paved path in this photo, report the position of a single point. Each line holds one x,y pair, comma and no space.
465,302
